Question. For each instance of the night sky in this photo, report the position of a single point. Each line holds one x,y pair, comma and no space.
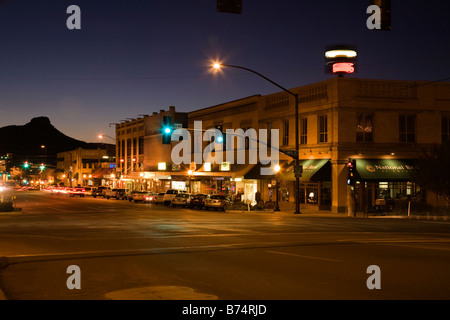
133,57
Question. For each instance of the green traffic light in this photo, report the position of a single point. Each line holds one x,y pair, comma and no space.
167,130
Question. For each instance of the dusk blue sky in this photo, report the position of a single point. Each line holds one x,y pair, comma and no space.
134,57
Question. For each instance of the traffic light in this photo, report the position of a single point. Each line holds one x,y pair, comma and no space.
229,6
166,129
384,12
42,166
351,165
220,138
340,59
298,171
26,165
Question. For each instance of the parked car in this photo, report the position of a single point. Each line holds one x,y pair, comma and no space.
151,196
182,200
77,191
141,196
198,200
217,202
98,192
170,194
117,193
88,191
159,198
131,195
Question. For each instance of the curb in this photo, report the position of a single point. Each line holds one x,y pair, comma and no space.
2,296
3,264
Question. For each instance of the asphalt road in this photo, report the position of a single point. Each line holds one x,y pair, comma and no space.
143,251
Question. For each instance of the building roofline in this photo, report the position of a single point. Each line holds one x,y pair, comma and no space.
190,113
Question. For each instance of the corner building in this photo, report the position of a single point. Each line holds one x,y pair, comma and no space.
382,124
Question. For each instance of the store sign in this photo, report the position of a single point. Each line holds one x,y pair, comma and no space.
343,67
207,166
225,166
161,166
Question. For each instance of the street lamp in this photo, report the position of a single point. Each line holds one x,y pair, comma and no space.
277,169
101,136
43,147
217,66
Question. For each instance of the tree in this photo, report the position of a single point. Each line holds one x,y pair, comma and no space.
433,171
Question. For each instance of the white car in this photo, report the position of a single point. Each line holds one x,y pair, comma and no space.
171,194
159,198
182,200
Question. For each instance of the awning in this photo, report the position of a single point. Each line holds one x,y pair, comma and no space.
313,170
385,169
235,171
316,170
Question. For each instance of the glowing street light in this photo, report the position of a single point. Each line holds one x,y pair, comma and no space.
101,136
189,175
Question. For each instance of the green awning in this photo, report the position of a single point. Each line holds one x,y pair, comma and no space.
385,169
313,170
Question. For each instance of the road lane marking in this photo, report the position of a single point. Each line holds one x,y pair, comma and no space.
302,256
58,209
416,246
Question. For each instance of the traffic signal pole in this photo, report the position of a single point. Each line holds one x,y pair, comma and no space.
297,159
297,144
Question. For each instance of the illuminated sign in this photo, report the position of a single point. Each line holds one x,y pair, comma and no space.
161,166
345,67
340,54
225,166
341,59
207,166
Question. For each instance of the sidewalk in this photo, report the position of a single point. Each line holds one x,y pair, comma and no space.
307,212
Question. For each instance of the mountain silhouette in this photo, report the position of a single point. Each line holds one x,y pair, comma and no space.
25,142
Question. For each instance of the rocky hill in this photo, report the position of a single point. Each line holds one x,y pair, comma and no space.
24,142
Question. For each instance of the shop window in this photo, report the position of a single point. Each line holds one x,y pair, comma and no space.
141,145
364,127
286,133
323,128
304,131
407,128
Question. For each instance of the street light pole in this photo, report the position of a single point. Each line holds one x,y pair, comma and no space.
277,169
101,136
217,66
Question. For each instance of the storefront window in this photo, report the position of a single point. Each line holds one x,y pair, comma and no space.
323,129
364,127
249,192
407,128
